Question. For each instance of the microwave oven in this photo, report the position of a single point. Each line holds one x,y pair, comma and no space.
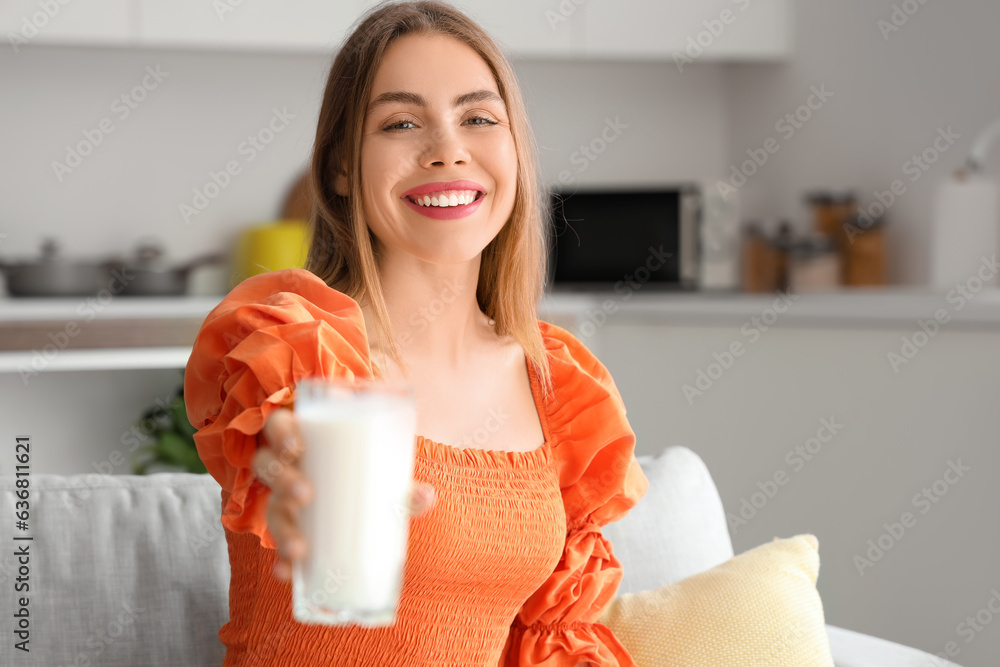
604,239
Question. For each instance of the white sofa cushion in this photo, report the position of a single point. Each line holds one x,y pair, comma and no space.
854,649
677,529
124,570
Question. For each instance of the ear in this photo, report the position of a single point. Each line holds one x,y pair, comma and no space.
340,183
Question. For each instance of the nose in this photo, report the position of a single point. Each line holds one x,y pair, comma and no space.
444,147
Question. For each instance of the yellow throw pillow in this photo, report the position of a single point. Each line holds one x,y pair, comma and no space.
759,608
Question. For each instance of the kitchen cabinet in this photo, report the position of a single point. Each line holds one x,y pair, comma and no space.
757,420
89,22
528,28
708,30
292,25
524,27
687,31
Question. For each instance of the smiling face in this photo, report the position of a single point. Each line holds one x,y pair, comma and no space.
415,134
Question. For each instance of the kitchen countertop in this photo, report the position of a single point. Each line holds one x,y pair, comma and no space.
857,307
162,329
14,309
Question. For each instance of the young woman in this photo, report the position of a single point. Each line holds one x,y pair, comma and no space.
429,235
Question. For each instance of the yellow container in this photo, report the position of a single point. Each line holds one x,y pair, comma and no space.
280,244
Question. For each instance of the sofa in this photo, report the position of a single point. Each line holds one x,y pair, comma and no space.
128,570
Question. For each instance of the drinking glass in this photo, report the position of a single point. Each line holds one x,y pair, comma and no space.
359,438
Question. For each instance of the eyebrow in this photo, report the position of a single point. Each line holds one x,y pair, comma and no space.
406,97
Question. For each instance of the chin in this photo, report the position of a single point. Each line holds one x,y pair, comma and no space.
448,255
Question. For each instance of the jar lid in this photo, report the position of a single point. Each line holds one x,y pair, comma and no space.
830,197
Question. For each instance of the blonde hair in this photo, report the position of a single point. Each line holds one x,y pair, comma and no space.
343,249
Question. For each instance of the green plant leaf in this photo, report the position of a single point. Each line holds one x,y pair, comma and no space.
172,438
179,414
172,448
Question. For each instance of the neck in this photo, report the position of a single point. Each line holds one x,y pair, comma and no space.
433,311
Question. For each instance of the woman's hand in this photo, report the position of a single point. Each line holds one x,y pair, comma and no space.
276,464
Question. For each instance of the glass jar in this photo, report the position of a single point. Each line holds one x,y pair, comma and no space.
865,258
814,265
832,212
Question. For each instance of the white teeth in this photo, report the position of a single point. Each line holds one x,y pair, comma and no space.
445,199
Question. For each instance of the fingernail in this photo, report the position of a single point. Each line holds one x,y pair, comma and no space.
294,549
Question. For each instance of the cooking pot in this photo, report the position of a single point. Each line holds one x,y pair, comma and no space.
149,275
146,275
55,276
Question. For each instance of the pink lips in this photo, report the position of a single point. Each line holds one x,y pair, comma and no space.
427,188
449,212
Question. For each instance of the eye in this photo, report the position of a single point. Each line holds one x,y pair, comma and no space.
394,127
475,121
486,121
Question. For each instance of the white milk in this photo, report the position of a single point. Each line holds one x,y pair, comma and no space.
359,451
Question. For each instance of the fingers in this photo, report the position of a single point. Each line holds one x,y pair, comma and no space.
276,465
282,522
422,498
276,460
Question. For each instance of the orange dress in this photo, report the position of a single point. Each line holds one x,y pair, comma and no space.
509,567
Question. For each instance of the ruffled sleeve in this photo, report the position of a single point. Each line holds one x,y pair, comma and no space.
268,332
601,480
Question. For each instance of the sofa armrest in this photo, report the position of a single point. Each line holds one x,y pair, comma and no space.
854,649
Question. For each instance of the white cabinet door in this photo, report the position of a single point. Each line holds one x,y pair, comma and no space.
86,22
289,25
692,29
525,28
530,28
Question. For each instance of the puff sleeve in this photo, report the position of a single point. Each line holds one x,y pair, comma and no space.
269,331
600,480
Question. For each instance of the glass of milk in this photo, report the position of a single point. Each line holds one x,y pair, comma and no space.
359,440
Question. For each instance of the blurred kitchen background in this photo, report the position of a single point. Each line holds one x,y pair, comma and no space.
822,174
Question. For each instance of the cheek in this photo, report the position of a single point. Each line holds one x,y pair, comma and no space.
507,158
376,170
501,162
505,171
